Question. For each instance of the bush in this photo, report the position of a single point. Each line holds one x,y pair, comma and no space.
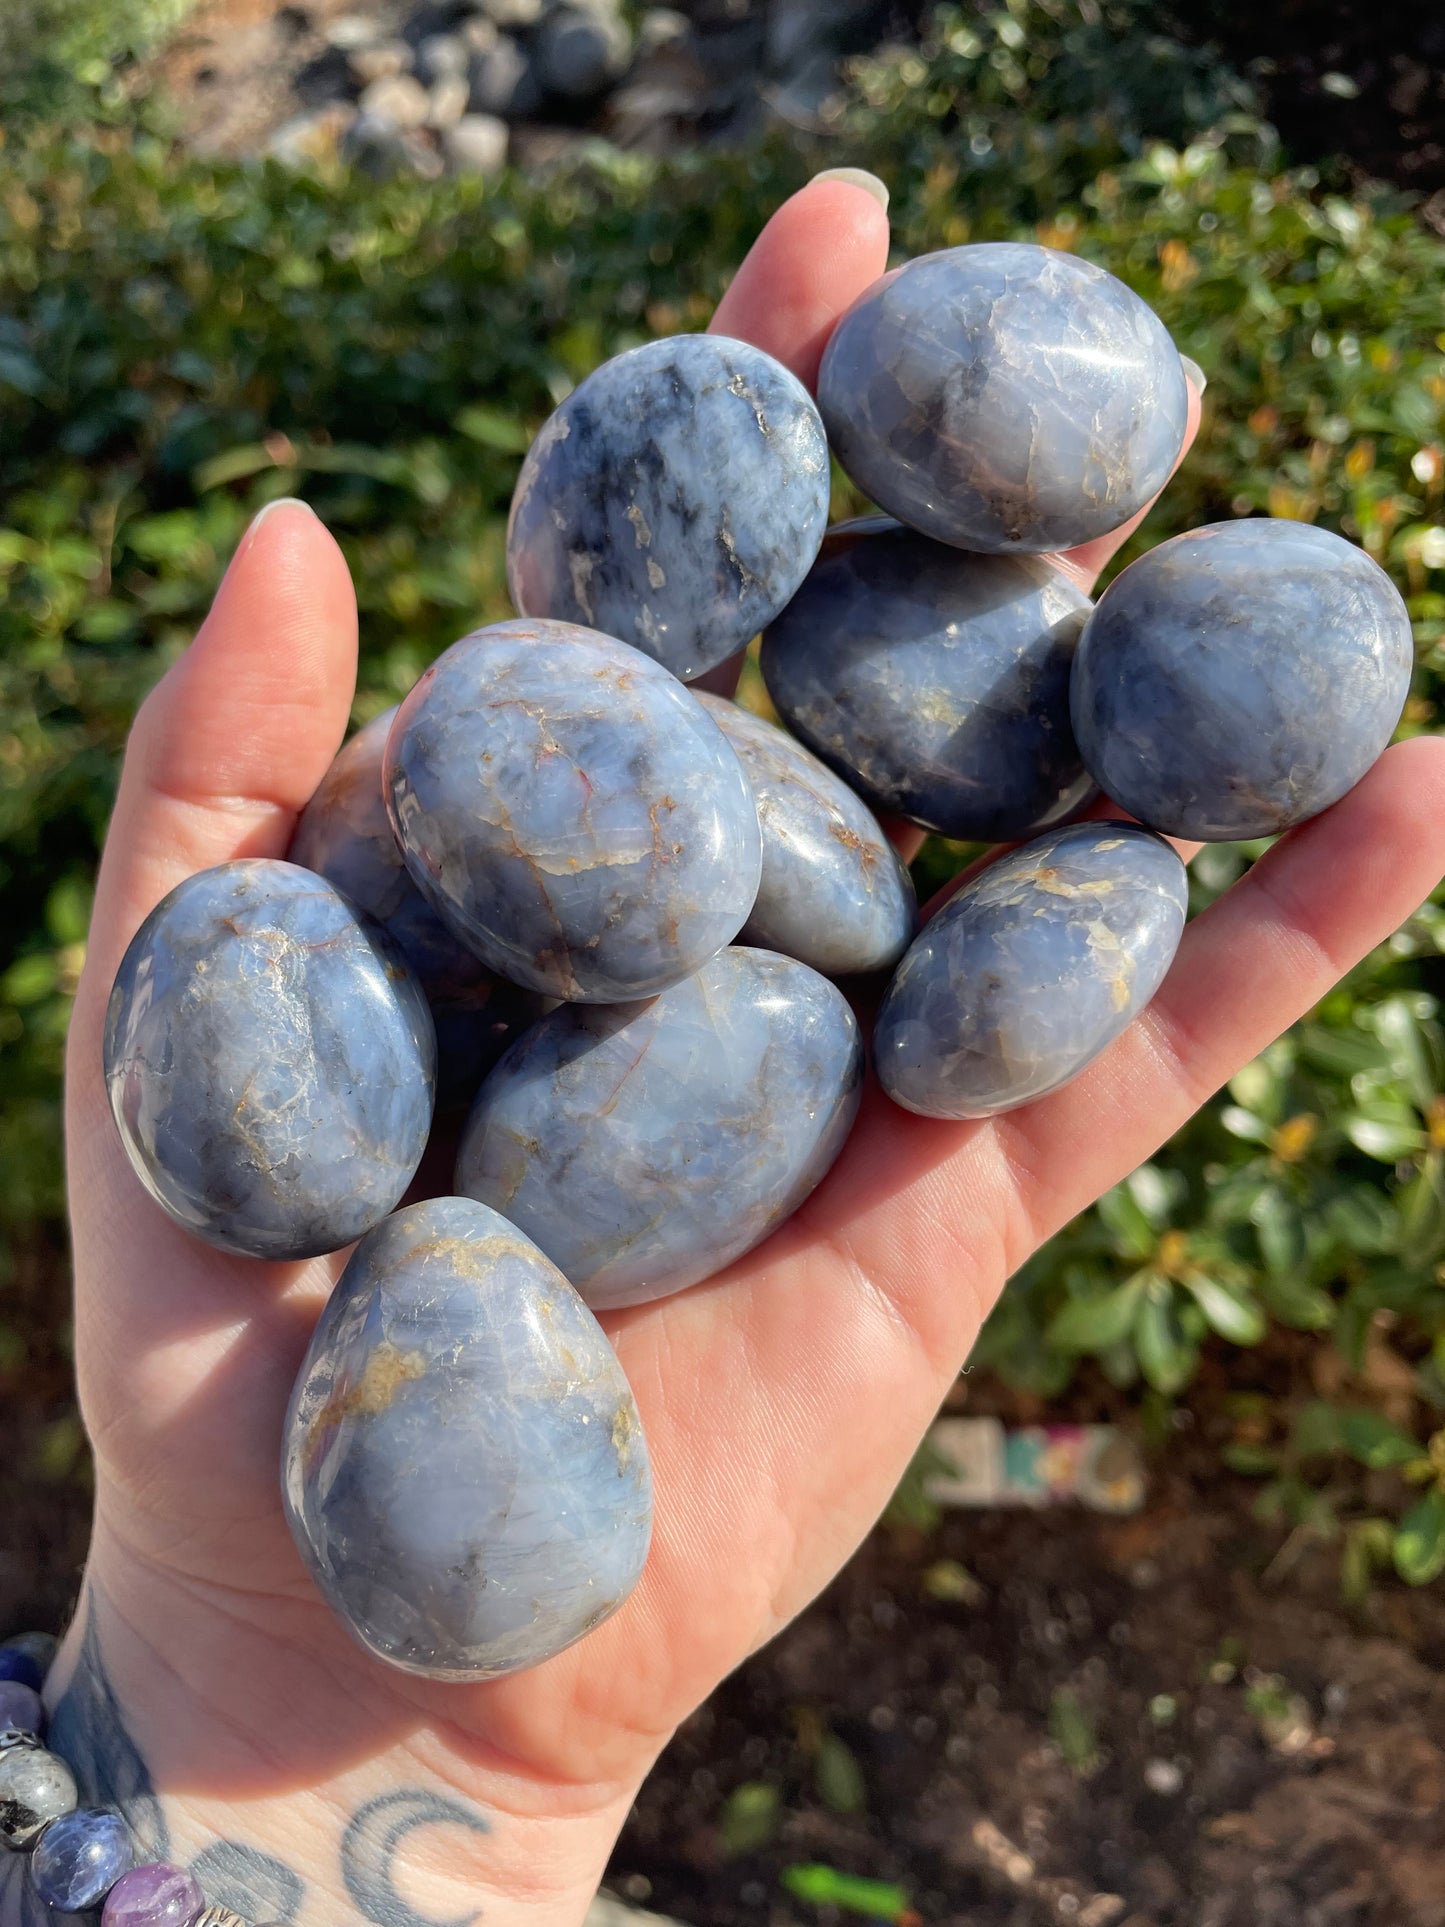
180,342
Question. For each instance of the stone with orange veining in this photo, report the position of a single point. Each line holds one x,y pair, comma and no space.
464,1471
645,1146
571,812
1024,976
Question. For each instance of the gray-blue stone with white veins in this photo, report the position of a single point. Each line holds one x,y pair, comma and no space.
1004,396
675,499
270,1060
1241,678
464,1470
646,1146
345,835
1033,968
834,893
935,682
572,812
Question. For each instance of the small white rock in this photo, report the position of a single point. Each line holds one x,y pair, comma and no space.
384,61
1164,1777
398,98
477,144
449,97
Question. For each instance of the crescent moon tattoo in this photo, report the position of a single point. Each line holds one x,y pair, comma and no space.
373,1839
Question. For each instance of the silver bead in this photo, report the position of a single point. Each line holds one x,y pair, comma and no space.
35,1788
219,1917
12,1736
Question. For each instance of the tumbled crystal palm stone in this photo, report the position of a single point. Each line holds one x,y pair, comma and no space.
646,1146
1240,678
572,812
271,1061
675,499
834,893
935,682
1004,396
1024,976
464,1471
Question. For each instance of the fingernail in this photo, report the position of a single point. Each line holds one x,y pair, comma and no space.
281,502
1194,374
857,177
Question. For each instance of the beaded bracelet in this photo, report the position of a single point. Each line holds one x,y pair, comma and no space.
80,1857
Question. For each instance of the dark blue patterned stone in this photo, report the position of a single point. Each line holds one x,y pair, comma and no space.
464,1471
19,1665
271,1061
1023,977
834,893
1240,678
935,682
345,835
644,1147
79,1858
676,499
572,812
1004,396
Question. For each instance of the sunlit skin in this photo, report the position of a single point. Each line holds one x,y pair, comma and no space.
782,1400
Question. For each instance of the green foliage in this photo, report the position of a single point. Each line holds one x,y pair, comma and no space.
181,342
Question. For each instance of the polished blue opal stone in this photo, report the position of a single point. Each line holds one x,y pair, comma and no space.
1004,396
17,1664
834,893
1240,678
935,682
271,1061
676,499
79,1858
1024,976
572,812
345,835
646,1146
464,1471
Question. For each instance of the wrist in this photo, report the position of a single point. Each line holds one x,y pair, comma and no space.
279,1826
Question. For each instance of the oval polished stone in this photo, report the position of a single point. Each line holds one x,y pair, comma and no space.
345,835
271,1061
1004,396
79,1858
464,1470
1240,678
156,1895
834,893
1037,964
35,1788
572,812
935,682
676,499
646,1146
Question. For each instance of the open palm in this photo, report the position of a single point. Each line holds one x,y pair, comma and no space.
782,1400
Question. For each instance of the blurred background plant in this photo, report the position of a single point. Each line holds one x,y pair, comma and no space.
182,340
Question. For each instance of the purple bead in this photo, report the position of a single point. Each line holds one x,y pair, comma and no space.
20,1707
16,1664
153,1896
79,1858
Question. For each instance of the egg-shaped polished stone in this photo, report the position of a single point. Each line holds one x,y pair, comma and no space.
675,499
1024,976
345,835
1004,396
935,682
572,812
646,1146
464,1471
271,1061
1240,678
834,892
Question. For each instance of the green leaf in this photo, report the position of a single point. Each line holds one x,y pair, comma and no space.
1279,1224
838,1776
1388,1132
1073,1732
1400,1031
1250,1461
1422,1214
1375,1442
823,1886
1166,1356
1096,1324
1122,1212
494,429
1420,1541
1297,1302
749,1817
1231,1312
1244,1124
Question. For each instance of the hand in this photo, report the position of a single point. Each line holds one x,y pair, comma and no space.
209,1689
